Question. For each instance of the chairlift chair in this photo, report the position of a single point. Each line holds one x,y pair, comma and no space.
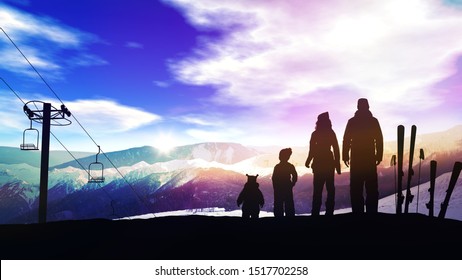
98,168
29,146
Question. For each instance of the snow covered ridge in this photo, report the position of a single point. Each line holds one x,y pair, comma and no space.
213,212
200,176
386,205
454,211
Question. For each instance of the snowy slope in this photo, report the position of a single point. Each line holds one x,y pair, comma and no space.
206,175
19,172
386,205
454,211
212,212
226,153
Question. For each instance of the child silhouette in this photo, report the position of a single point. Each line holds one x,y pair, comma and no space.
284,179
251,198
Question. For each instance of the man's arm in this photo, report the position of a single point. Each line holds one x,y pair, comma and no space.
346,145
378,144
336,153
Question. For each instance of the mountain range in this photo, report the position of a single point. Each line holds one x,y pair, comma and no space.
195,176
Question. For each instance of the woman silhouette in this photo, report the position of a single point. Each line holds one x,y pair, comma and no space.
325,154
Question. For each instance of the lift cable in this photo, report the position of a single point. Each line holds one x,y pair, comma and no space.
12,90
83,168
73,115
31,65
61,143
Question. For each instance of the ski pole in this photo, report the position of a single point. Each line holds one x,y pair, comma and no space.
431,190
421,157
400,168
410,172
393,163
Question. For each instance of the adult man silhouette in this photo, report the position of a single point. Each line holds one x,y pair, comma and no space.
364,140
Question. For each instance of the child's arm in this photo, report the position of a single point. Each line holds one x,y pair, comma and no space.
261,199
294,175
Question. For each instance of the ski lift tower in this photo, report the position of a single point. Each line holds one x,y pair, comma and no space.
45,116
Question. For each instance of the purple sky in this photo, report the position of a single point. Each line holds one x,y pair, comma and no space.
176,72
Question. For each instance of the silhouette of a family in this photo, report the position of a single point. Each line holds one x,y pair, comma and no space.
362,151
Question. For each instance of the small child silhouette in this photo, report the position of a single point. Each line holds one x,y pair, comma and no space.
284,179
251,198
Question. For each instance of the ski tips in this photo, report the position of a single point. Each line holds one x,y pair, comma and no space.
422,155
393,160
456,172
457,165
452,183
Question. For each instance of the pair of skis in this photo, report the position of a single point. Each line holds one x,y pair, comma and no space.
431,190
409,197
452,183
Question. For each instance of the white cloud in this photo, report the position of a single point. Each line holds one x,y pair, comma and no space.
20,2
41,40
216,135
14,62
134,45
107,116
161,84
87,60
201,120
282,50
96,115
12,117
112,125
19,24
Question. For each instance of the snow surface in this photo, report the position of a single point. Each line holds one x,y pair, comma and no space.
23,180
248,166
386,205
214,212
20,172
454,210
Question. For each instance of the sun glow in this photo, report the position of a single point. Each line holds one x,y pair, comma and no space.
165,142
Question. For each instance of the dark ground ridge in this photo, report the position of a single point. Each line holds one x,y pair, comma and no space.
338,237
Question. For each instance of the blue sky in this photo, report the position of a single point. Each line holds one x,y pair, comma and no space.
176,72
